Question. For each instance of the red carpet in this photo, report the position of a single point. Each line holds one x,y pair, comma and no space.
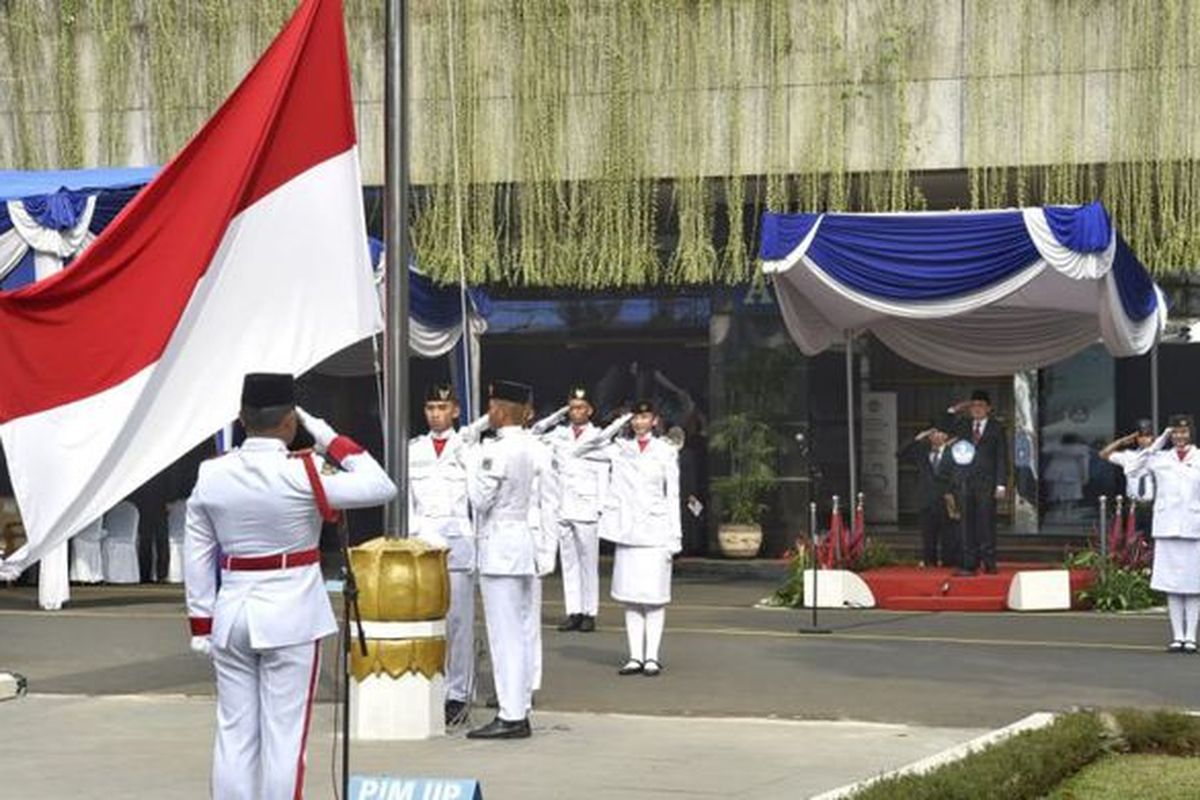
936,588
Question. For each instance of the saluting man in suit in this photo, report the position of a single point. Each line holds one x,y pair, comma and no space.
261,509
500,482
929,451
581,487
439,513
987,481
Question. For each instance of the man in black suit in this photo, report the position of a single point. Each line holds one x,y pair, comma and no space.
930,453
986,479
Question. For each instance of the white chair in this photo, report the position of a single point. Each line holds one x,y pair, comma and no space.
121,544
87,559
176,524
53,589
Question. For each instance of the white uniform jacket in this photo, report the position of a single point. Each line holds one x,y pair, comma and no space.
1139,483
256,501
582,482
500,481
1177,490
438,506
642,502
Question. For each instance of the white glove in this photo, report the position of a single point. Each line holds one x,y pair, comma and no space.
202,645
322,432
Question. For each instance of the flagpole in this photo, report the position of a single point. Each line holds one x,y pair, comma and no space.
396,239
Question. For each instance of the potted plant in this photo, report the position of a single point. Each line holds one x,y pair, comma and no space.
747,442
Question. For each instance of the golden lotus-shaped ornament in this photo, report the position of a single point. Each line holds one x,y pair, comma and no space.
401,580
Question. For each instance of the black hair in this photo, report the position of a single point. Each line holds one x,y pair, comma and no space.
264,419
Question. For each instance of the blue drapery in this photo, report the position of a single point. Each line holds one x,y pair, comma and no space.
929,257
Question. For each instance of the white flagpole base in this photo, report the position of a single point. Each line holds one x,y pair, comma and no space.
410,707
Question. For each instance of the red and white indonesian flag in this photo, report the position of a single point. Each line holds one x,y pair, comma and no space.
247,253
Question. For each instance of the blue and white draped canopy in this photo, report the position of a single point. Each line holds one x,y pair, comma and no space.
964,292
47,218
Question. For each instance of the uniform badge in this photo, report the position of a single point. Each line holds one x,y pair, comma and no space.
580,394
443,393
328,469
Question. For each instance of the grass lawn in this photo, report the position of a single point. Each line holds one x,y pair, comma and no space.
1121,777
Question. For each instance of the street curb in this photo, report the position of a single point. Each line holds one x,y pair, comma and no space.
1032,722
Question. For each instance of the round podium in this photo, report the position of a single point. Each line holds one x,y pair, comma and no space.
398,689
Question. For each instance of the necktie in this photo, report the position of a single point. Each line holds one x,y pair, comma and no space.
978,434
438,446
935,458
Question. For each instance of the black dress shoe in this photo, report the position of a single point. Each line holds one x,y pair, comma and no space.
456,712
990,569
587,624
632,667
571,623
502,729
652,668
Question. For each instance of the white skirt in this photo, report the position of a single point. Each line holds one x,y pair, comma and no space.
1176,566
642,575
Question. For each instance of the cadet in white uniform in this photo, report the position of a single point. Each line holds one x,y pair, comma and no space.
439,513
1176,527
641,517
1139,483
582,484
500,481
256,515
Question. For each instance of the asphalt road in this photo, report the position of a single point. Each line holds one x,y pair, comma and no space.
723,657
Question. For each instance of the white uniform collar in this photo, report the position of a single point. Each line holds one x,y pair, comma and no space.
444,435
508,430
263,444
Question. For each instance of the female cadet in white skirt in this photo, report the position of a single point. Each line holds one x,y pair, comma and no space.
1176,527
641,516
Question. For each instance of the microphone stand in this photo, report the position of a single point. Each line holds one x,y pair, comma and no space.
350,612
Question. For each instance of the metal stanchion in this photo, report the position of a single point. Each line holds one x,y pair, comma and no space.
837,540
1103,529
812,528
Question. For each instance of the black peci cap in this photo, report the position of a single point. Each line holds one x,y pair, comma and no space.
579,392
979,394
268,390
440,393
511,391
1145,427
643,407
1182,421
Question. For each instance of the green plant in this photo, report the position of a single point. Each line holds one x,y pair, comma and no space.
791,593
875,554
1121,589
748,444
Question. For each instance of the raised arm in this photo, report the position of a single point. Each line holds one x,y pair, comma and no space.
364,483
548,423
472,433
594,448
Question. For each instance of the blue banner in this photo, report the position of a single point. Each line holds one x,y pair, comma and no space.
392,787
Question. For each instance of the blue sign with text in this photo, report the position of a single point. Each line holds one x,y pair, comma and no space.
393,787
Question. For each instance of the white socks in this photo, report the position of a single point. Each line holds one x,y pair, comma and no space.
644,630
1177,611
656,619
635,632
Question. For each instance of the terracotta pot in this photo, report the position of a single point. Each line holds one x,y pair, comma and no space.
739,541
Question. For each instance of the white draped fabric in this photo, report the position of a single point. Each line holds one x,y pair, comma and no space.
51,247
1057,305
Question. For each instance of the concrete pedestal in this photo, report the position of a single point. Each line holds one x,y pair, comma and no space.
837,588
1040,590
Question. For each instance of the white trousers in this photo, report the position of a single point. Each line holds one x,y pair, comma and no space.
507,601
460,637
264,707
534,636
53,586
579,550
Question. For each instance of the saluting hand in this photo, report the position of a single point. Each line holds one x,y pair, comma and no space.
322,432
